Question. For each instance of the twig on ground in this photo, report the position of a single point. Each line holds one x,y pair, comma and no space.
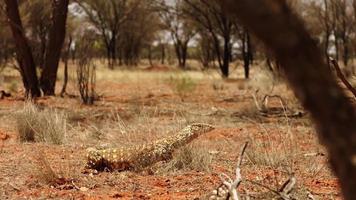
285,190
287,187
311,196
230,184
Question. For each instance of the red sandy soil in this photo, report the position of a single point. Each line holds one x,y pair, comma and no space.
19,172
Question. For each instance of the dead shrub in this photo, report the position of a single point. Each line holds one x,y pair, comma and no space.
86,71
35,125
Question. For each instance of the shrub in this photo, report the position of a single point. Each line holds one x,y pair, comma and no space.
183,85
86,78
86,71
36,125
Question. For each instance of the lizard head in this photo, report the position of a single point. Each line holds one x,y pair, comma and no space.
201,128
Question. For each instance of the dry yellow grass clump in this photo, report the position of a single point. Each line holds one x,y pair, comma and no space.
36,125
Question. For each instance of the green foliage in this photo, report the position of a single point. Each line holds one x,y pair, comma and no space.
183,84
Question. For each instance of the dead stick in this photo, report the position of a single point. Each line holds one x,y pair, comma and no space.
342,77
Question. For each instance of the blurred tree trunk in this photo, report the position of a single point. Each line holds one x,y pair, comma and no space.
55,44
335,116
218,25
23,50
163,53
181,48
65,59
226,56
149,48
246,52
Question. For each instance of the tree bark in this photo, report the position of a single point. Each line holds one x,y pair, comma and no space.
150,54
66,58
335,116
23,50
226,56
163,53
246,52
55,44
181,48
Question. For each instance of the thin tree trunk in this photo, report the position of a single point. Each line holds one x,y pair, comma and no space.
336,43
226,57
343,78
326,49
314,85
163,53
246,54
23,50
345,55
54,48
113,51
150,54
66,58
184,50
177,47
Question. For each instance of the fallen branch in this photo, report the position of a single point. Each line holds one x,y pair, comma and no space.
284,191
4,94
230,191
265,111
341,76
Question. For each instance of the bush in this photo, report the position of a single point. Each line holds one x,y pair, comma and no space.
86,71
36,125
183,85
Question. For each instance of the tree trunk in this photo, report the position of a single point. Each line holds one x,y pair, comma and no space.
54,48
113,50
314,85
150,54
223,69
184,53
345,56
108,55
42,50
246,52
163,53
66,58
177,47
336,43
326,49
226,57
23,51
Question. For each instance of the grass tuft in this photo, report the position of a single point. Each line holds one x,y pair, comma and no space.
35,125
190,158
183,85
43,170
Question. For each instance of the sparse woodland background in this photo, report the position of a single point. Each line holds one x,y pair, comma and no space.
311,44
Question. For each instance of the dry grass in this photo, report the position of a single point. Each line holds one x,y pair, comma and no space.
42,169
189,158
275,151
35,125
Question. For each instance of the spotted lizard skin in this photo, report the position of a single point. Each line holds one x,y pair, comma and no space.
138,157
